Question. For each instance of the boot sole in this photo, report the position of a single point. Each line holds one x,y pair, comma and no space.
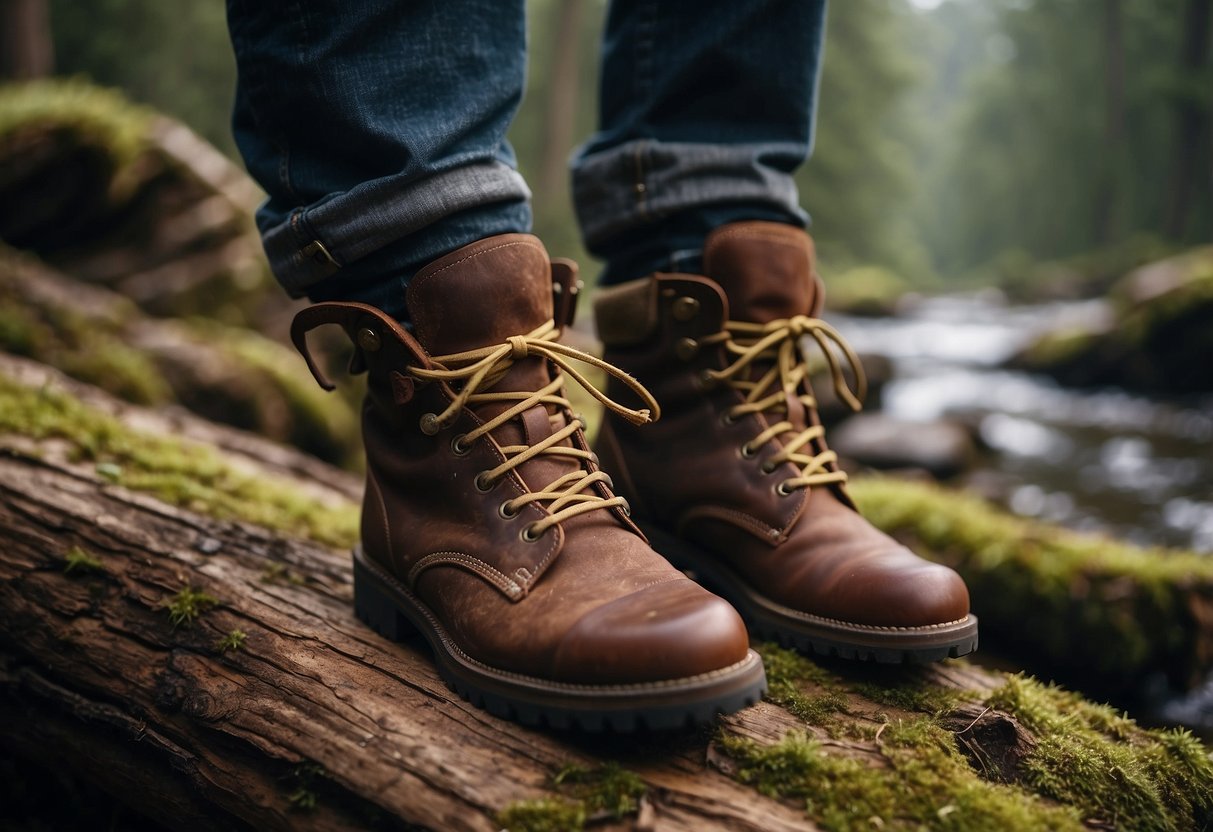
812,634
389,608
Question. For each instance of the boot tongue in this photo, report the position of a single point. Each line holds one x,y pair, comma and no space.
765,270
481,294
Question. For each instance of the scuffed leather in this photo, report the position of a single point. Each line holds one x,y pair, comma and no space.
808,550
589,601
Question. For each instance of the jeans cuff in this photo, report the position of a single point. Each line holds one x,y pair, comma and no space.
640,182
315,242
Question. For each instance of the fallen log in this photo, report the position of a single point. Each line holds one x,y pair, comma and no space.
175,626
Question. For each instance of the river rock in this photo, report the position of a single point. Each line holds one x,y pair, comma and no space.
1160,341
943,449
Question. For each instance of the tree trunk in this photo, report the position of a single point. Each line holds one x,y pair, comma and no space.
1109,194
26,48
1193,166
310,721
561,110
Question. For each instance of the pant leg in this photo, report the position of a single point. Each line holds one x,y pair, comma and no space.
377,129
706,109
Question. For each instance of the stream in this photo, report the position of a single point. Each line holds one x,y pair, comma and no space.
1095,460
1103,460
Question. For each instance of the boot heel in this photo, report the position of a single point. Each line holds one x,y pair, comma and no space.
376,609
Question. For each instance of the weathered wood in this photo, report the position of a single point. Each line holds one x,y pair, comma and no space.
314,722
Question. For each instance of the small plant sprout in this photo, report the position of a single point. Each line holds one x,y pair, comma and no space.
185,607
79,561
232,641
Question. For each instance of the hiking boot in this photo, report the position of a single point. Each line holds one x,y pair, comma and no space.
736,483
489,527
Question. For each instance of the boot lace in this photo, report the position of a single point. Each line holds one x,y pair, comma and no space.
771,368
480,369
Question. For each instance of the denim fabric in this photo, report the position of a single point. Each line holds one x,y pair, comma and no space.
706,109
377,128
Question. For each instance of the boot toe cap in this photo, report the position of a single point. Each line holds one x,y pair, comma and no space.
671,630
905,591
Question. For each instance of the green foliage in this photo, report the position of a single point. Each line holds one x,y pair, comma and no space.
185,607
174,56
1035,153
177,471
78,560
304,779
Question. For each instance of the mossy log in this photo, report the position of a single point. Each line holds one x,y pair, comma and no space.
220,371
175,626
115,195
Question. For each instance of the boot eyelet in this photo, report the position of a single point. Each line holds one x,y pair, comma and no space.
483,483
747,452
686,348
704,381
728,419
429,424
504,511
767,467
782,489
457,446
528,534
626,508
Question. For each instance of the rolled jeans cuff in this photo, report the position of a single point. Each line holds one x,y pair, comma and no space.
313,243
628,186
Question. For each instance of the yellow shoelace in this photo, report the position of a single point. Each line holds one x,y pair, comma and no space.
480,369
778,343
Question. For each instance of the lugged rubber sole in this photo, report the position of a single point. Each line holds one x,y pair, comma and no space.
389,608
811,634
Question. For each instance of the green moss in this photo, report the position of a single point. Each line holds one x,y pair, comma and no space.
101,115
865,290
275,572
909,696
788,673
1110,608
923,782
232,641
78,560
1091,757
303,778
185,607
607,788
543,815
323,423
177,471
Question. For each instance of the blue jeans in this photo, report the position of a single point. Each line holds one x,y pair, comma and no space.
377,128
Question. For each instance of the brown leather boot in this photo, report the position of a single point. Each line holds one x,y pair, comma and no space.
736,484
488,526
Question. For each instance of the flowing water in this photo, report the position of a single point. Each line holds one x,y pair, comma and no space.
1100,460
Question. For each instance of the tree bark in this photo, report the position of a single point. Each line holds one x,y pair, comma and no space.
314,722
26,48
1193,141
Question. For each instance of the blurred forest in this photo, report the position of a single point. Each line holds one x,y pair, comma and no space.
963,143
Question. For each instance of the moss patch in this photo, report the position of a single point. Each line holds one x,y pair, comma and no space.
232,641
189,603
180,472
925,783
1099,606
79,561
543,815
606,791
1093,758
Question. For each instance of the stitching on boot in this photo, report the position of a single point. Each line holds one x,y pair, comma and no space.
472,564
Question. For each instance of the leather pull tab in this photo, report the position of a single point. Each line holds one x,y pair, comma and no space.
566,287
348,316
